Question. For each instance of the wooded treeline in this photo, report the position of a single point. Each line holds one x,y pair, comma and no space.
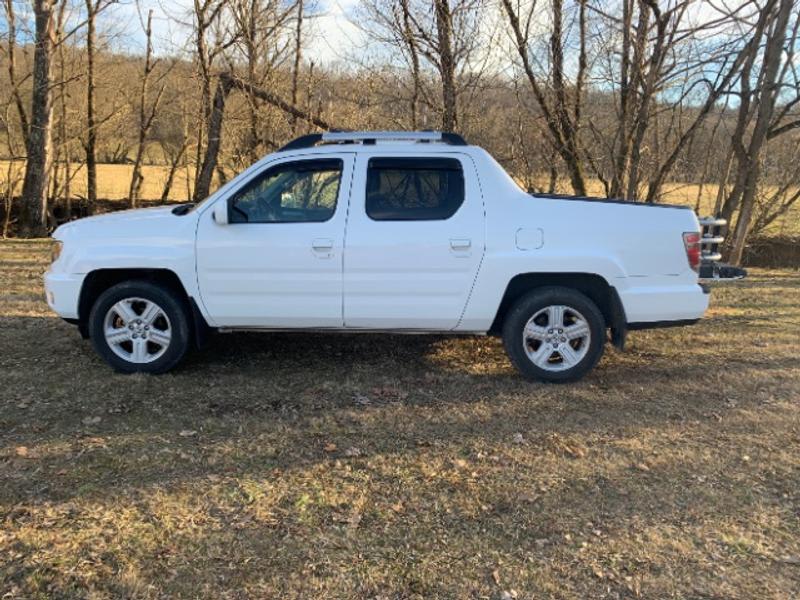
631,93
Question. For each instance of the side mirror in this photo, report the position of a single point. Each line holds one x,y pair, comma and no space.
221,213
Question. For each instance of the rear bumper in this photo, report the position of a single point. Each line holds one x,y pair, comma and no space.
663,304
62,292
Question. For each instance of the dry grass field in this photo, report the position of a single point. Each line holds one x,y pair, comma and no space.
309,466
114,182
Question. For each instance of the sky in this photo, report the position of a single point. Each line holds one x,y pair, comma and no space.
332,34
331,37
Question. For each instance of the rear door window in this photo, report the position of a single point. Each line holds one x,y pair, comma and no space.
414,189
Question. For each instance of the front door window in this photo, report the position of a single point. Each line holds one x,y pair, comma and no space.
293,192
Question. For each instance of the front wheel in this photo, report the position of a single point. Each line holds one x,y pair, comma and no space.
554,334
139,327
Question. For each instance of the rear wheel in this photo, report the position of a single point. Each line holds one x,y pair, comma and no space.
554,334
139,327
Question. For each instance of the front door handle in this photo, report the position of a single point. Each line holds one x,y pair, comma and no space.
322,244
460,244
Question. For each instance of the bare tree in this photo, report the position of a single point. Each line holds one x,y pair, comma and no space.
662,67
11,66
227,83
776,200
62,149
760,88
12,176
639,94
640,76
298,57
93,9
147,112
413,53
91,125
446,34
263,36
33,210
560,107
212,36
446,63
173,138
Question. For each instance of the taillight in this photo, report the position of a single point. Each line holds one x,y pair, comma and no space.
691,241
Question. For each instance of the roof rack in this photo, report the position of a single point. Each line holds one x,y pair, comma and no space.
373,137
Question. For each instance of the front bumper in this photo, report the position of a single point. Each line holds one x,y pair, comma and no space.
62,292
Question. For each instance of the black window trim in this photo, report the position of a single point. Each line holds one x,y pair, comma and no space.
289,164
412,163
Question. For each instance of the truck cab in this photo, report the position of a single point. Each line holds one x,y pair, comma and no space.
379,231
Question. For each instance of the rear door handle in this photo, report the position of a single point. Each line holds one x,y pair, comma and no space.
460,244
322,244
322,247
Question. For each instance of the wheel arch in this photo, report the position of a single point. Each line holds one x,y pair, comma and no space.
594,286
98,281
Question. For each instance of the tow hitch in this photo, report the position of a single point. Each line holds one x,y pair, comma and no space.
711,238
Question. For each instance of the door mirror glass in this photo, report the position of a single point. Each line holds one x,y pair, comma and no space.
221,213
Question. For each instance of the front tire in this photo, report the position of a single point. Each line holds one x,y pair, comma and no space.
139,327
554,334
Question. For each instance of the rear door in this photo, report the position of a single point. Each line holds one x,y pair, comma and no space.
414,241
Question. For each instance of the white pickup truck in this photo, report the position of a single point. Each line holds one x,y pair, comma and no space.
412,232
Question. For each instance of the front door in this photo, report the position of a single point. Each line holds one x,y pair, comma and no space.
278,262
415,240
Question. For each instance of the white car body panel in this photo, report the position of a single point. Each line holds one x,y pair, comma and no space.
411,274
390,275
274,275
638,249
149,238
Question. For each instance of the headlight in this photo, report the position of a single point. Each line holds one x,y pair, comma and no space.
55,250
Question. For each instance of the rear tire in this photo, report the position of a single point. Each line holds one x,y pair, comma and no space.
139,327
554,334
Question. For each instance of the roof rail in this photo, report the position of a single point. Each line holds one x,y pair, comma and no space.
373,137
304,141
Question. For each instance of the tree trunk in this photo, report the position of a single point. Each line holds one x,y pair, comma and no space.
228,82
298,55
91,120
145,119
447,65
33,213
568,128
11,65
202,185
203,22
62,129
723,183
768,91
704,176
562,129
174,164
252,53
408,35
621,160
645,83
